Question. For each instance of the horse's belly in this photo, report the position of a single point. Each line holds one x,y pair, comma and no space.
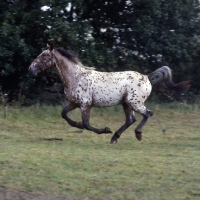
105,100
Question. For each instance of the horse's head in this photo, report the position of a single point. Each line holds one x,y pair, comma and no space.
44,61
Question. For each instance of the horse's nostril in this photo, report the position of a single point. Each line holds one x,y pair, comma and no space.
33,70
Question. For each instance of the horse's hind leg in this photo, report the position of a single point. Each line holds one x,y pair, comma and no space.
130,119
146,115
85,111
64,112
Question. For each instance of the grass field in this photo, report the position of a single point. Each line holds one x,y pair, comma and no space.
42,157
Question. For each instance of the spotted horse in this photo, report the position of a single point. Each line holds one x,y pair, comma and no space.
85,88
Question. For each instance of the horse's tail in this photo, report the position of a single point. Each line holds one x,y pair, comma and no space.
161,79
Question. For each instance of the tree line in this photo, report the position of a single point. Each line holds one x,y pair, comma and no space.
138,35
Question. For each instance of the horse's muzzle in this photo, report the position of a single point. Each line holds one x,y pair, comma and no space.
33,69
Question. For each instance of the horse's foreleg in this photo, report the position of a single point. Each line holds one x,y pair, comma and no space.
130,119
85,112
64,112
138,130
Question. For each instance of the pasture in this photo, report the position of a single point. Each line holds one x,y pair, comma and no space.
42,157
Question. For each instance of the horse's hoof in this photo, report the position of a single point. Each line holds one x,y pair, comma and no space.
138,135
107,130
113,140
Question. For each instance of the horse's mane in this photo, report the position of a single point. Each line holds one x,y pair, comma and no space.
72,57
69,54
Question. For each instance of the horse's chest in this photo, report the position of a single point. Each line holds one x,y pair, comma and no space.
78,94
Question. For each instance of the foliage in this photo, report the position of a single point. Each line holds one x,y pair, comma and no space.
110,35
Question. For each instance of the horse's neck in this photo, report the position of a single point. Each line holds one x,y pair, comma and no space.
67,70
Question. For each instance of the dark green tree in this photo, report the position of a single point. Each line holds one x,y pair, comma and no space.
157,32
21,35
110,35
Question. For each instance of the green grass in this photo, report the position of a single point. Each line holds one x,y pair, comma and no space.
83,165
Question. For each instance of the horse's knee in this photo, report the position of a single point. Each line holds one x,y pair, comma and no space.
63,113
150,112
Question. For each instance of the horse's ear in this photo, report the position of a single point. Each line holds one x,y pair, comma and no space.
50,47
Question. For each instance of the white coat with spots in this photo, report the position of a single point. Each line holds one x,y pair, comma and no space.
86,88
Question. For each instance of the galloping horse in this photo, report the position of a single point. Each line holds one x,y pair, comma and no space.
85,88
